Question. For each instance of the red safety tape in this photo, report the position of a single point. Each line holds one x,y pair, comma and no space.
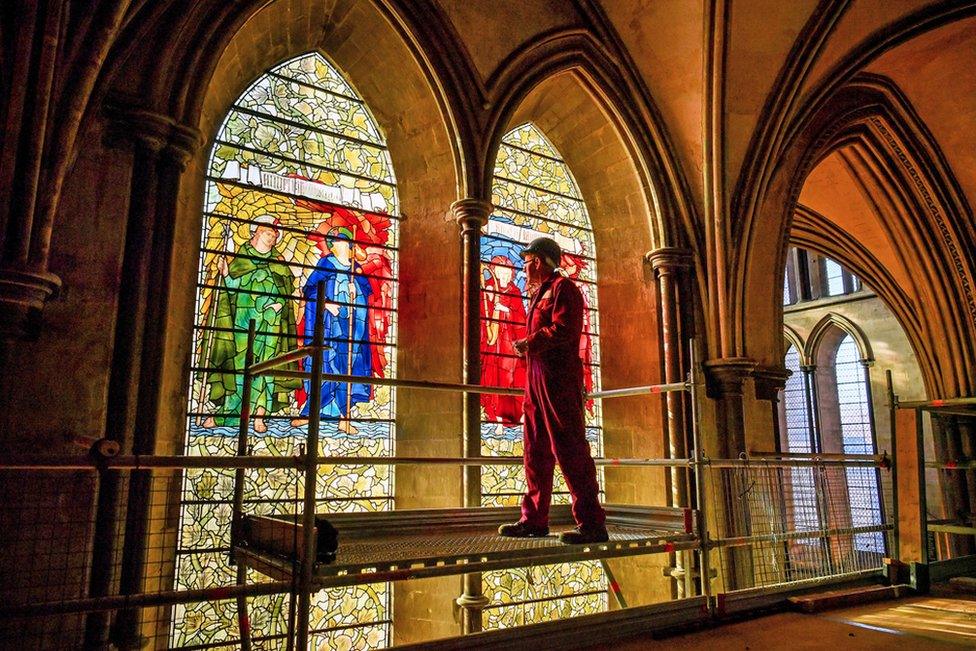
392,575
614,462
615,587
938,403
655,389
950,464
669,547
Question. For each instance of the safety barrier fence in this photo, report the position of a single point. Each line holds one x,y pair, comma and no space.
783,521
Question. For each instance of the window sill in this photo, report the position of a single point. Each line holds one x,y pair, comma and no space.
818,303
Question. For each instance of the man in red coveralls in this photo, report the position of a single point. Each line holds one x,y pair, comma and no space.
554,429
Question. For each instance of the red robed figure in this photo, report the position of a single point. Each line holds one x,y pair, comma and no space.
502,323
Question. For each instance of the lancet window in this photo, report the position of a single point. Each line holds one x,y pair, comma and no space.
534,194
797,405
300,198
857,437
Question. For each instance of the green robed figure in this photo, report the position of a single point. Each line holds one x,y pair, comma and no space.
256,286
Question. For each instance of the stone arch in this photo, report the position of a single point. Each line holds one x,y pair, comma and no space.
420,146
563,106
669,218
374,52
898,167
792,338
817,233
772,145
827,335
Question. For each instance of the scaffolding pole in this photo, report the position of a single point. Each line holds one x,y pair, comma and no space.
142,462
307,576
237,523
893,436
698,456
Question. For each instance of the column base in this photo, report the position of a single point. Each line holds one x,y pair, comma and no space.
22,298
469,608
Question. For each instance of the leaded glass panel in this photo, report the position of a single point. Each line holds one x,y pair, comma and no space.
800,438
858,438
300,195
835,277
534,194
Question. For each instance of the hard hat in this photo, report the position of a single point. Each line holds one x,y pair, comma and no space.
546,248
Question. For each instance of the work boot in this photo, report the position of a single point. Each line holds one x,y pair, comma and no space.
583,535
522,530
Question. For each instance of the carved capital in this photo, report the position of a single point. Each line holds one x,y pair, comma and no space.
727,376
669,259
770,381
471,214
158,133
22,297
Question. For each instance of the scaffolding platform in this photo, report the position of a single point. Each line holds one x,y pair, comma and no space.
408,544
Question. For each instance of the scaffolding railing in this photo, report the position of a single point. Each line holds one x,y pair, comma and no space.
779,521
305,582
765,540
747,528
945,444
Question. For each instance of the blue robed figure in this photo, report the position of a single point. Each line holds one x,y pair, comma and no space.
346,329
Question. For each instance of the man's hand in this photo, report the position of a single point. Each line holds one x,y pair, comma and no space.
521,345
222,266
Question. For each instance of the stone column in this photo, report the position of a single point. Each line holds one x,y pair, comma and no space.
161,148
769,383
967,440
947,435
726,380
813,406
471,215
46,88
669,264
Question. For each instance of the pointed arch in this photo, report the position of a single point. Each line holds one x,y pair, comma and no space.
535,194
301,205
360,39
772,144
792,338
903,173
817,233
615,91
820,338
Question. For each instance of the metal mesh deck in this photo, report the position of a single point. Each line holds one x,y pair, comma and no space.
393,550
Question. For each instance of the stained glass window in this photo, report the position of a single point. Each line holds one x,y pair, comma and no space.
857,433
300,191
534,194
